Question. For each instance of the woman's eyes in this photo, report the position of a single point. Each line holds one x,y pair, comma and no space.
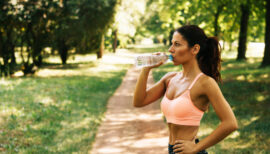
176,44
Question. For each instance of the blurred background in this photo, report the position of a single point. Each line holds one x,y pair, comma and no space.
62,59
32,30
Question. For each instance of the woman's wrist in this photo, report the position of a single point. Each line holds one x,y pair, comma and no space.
146,69
196,148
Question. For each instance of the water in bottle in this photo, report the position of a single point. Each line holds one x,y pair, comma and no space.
150,59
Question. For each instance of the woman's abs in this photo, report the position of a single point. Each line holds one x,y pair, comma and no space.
181,132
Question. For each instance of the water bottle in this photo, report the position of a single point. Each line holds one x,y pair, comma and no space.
150,59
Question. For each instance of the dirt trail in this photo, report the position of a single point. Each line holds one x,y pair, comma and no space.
129,130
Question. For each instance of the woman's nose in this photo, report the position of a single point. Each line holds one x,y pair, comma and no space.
170,49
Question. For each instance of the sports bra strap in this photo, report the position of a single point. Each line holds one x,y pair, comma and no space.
196,78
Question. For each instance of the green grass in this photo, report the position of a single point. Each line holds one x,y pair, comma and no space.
59,110
247,89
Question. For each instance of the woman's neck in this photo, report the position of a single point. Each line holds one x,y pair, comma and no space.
190,69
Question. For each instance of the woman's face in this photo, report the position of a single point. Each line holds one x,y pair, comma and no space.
180,50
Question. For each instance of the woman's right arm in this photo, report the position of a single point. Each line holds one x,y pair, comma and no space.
143,97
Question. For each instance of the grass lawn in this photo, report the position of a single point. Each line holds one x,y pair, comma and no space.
247,89
59,109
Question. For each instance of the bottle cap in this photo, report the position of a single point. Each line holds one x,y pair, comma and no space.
171,57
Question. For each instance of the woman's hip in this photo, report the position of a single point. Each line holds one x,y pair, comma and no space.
170,148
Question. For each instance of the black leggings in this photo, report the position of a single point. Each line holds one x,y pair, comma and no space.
170,148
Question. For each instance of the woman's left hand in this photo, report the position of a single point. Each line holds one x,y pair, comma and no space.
184,147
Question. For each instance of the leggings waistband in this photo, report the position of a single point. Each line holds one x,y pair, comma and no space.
170,148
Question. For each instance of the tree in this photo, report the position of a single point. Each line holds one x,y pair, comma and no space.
64,36
218,8
266,57
245,11
95,17
114,40
34,23
8,40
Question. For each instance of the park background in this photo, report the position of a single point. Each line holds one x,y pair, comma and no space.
61,60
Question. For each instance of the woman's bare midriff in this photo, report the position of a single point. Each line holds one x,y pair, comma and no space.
181,132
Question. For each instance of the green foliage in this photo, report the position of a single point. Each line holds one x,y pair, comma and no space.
35,22
257,21
99,12
95,17
164,15
61,25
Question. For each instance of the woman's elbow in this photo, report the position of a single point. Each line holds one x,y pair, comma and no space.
230,126
137,103
233,126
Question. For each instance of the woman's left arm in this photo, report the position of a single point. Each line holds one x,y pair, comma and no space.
224,112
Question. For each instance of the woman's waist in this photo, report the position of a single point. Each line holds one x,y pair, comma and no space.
182,132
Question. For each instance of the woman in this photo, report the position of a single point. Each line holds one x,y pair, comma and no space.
188,94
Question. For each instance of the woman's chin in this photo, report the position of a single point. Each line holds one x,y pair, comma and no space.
175,64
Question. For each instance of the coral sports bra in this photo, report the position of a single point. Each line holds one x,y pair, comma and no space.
181,110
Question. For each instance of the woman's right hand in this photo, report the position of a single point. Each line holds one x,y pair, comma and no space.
156,65
153,66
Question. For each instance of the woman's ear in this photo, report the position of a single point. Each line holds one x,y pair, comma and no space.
196,49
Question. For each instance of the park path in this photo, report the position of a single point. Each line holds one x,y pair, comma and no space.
129,130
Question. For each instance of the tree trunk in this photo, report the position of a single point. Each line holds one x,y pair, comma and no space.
27,67
6,66
266,57
7,51
242,44
101,48
13,58
37,47
114,41
64,54
37,57
63,49
216,27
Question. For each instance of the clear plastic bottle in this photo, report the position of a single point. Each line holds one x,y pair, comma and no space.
151,59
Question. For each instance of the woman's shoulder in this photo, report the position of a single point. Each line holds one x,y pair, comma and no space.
169,75
207,81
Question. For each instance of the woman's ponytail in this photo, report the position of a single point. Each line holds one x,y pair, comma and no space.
209,56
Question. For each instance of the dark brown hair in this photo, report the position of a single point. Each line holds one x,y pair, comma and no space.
209,55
